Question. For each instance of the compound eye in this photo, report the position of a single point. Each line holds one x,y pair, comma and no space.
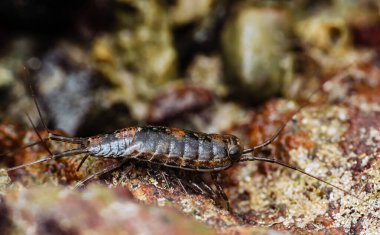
234,151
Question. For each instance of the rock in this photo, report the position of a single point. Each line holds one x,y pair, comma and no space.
98,210
254,42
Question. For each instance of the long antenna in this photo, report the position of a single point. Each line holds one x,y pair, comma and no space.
6,153
39,136
43,141
279,130
57,156
51,136
27,74
271,160
29,164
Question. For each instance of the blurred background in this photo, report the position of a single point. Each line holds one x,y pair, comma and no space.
100,65
240,67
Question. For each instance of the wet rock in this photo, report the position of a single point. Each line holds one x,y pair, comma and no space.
328,34
138,57
207,72
177,102
323,140
98,210
64,79
327,38
198,31
254,42
184,11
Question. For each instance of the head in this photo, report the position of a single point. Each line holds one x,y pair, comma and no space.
234,147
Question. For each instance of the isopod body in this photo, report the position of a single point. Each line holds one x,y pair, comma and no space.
170,147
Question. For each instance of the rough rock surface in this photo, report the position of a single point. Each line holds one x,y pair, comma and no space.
336,138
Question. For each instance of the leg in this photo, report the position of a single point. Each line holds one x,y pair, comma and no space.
166,181
196,187
210,191
101,172
206,189
220,190
196,183
82,161
180,183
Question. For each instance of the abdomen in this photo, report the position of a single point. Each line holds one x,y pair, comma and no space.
167,146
